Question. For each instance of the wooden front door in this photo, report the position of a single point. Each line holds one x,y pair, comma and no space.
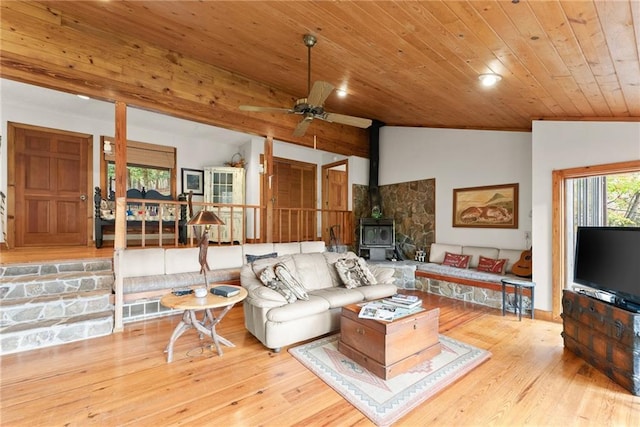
50,175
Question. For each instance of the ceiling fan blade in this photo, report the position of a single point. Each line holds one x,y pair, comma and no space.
265,109
302,126
319,93
347,120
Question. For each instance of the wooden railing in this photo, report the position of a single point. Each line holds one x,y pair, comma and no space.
243,223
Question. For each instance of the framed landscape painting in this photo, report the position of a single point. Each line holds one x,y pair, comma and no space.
193,180
493,206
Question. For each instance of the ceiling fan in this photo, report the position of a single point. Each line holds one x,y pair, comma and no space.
312,107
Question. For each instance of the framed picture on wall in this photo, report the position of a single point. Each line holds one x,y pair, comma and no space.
193,180
493,206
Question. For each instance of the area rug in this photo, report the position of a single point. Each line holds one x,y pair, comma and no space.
384,402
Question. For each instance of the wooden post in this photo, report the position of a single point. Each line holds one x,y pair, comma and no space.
268,170
120,242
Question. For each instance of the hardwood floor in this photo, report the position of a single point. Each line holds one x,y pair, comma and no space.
123,379
52,253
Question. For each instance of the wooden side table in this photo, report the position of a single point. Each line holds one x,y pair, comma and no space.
207,326
517,289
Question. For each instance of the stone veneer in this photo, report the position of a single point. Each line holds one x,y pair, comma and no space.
473,294
410,204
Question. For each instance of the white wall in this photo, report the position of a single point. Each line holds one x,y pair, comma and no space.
459,159
563,145
197,145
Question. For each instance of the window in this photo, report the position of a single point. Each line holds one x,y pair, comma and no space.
140,177
150,166
602,200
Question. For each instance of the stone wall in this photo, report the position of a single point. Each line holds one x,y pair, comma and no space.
411,204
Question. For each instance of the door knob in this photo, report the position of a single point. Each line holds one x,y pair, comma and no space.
83,197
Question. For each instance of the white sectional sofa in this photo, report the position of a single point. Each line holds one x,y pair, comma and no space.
277,322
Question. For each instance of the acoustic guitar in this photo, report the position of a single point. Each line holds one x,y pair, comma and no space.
523,267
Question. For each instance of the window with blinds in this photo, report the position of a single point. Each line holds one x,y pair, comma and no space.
150,166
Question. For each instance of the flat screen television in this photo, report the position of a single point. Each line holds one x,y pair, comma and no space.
608,259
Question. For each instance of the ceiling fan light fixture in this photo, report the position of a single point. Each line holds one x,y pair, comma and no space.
489,79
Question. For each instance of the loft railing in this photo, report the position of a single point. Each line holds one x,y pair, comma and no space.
243,223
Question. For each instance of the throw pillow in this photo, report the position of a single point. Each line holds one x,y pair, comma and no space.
251,258
354,272
490,265
269,279
290,282
456,260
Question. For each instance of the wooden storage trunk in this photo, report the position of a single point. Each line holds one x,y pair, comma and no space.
389,348
606,336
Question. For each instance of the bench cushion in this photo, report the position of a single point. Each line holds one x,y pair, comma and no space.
438,251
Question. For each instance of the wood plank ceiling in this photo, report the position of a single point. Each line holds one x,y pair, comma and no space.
402,63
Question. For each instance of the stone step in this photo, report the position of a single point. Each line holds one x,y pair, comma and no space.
26,311
31,286
50,332
53,267
55,302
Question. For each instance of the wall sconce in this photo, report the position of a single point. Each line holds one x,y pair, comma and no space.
107,147
489,79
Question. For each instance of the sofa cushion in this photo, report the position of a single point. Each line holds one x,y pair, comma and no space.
511,255
287,248
491,265
225,257
314,246
438,251
354,272
312,270
298,310
143,262
270,280
181,260
338,297
476,251
289,281
456,260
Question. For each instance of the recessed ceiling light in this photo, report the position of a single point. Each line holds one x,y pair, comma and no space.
489,79
341,93
82,96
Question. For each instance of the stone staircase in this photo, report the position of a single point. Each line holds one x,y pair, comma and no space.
51,303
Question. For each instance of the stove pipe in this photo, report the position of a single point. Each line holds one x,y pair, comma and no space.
374,159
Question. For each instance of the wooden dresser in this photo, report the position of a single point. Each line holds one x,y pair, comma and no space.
389,348
606,336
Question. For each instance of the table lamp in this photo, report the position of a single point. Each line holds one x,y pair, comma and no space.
207,219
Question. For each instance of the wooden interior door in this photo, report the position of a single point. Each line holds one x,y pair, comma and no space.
335,197
294,189
52,203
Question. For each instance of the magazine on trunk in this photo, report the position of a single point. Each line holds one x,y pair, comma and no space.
378,311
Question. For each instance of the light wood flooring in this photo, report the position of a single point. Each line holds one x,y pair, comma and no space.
124,380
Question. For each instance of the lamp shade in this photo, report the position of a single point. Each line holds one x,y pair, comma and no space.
205,217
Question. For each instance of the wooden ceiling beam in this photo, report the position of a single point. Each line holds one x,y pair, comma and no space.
41,47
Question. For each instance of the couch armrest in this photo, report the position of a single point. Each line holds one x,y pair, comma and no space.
383,275
258,294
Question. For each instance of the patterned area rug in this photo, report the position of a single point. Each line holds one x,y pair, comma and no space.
384,402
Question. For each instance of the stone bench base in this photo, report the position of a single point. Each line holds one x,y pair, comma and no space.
474,291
